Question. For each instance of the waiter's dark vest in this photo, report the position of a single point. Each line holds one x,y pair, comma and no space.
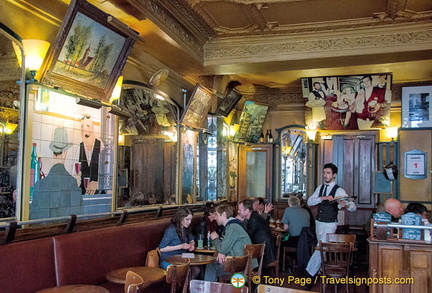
328,210
91,171
317,95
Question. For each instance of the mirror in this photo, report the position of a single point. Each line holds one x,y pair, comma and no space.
293,155
12,81
148,147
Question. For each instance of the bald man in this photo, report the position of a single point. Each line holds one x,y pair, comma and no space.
394,208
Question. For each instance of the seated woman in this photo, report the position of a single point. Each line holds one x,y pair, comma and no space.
417,208
208,223
178,238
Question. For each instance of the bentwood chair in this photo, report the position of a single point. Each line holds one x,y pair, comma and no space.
198,286
335,261
133,282
275,263
235,264
341,238
254,251
177,276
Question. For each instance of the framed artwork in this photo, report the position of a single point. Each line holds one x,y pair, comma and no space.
89,53
198,106
228,103
251,122
351,102
415,164
416,110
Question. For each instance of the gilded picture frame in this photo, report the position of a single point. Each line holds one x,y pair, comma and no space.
197,107
89,53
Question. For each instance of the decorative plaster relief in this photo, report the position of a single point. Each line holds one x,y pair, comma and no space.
218,51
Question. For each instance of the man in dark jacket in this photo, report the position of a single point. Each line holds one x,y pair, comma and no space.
258,229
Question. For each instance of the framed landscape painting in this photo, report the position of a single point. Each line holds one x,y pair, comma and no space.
198,106
89,53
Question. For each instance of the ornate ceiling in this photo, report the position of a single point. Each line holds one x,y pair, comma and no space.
275,42
269,45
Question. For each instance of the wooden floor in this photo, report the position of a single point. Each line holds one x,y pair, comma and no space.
360,271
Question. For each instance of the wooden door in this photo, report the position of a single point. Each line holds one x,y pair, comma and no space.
255,171
353,154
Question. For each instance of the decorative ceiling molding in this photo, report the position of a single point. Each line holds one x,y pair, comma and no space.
26,6
219,52
246,2
170,25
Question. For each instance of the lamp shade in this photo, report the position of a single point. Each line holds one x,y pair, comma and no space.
35,51
117,89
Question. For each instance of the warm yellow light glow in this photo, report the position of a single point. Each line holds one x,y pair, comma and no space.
311,134
159,97
233,129
117,89
286,150
392,131
35,51
171,134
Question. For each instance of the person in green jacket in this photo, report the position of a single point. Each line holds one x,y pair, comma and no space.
231,243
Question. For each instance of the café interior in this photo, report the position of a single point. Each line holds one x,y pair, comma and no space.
114,113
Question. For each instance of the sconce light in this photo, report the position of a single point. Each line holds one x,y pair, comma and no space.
311,131
7,127
117,89
35,51
392,132
233,129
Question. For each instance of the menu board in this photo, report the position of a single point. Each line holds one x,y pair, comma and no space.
410,233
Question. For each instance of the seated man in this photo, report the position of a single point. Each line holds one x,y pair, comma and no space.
294,219
231,243
258,230
393,207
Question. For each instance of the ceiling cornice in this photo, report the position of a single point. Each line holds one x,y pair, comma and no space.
171,26
296,47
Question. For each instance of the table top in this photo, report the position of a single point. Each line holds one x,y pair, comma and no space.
75,289
205,250
199,259
150,275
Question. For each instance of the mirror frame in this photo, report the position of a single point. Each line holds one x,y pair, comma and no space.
17,40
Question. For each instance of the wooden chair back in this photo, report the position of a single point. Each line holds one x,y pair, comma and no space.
236,264
133,282
341,238
177,275
275,263
335,260
198,286
254,251
153,257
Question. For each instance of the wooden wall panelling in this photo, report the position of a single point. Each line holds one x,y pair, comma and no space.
411,189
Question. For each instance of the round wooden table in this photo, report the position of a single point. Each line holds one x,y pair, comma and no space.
75,289
150,275
199,259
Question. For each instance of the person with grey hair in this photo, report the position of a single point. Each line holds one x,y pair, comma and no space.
294,219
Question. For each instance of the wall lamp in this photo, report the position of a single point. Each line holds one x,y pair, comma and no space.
392,132
35,51
117,89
